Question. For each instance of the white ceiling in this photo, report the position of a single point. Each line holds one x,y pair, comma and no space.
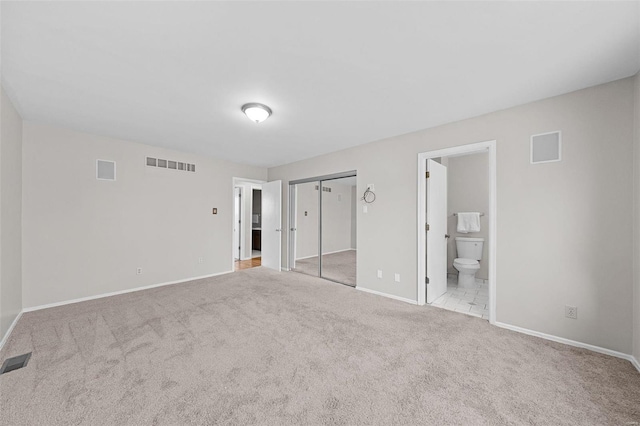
175,74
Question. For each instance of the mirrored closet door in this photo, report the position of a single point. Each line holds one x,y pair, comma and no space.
339,230
322,235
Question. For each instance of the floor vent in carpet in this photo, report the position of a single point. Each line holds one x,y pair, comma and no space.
15,363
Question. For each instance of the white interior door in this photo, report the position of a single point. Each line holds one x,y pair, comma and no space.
272,224
237,223
437,230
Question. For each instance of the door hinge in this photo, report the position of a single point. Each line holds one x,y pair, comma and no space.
427,175
427,227
426,280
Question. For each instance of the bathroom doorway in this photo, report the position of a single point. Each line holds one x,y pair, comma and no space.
457,229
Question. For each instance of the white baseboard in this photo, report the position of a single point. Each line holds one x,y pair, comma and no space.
115,293
11,327
390,296
326,253
569,342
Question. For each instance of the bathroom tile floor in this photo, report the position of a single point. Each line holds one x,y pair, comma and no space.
473,301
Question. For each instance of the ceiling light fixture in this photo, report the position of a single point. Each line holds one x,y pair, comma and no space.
256,112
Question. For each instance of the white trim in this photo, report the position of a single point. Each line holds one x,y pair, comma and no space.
390,296
238,182
569,342
490,147
324,254
115,293
544,134
5,338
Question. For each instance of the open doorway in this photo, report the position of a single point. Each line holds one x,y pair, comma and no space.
247,224
457,229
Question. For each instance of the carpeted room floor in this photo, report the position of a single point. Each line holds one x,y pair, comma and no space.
260,347
339,267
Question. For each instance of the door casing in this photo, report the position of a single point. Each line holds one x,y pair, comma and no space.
490,147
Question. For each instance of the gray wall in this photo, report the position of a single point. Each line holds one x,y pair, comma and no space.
636,222
83,237
563,233
468,191
10,213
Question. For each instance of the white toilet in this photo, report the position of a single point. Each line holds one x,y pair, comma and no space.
469,253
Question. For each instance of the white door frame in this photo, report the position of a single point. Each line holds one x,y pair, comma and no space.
237,222
234,183
490,147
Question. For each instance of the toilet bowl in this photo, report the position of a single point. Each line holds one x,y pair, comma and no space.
467,269
470,252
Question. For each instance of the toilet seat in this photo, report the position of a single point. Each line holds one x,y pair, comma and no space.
466,262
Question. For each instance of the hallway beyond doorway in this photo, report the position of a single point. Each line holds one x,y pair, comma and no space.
239,265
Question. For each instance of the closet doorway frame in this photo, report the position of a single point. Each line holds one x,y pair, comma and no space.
291,246
473,148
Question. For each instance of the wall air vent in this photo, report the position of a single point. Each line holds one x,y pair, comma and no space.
105,170
546,147
324,188
170,164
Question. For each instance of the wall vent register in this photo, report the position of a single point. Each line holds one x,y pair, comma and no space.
546,147
105,170
170,164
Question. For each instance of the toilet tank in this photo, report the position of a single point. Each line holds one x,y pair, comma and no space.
469,248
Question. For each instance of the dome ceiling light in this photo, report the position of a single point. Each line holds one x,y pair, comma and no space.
256,112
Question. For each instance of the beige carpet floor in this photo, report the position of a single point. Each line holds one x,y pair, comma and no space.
340,267
260,347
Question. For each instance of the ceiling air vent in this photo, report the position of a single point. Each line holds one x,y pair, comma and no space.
546,147
105,170
170,164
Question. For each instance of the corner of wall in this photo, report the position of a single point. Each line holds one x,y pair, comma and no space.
10,214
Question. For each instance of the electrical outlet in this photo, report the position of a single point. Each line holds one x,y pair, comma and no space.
379,273
139,271
397,278
200,260
571,312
